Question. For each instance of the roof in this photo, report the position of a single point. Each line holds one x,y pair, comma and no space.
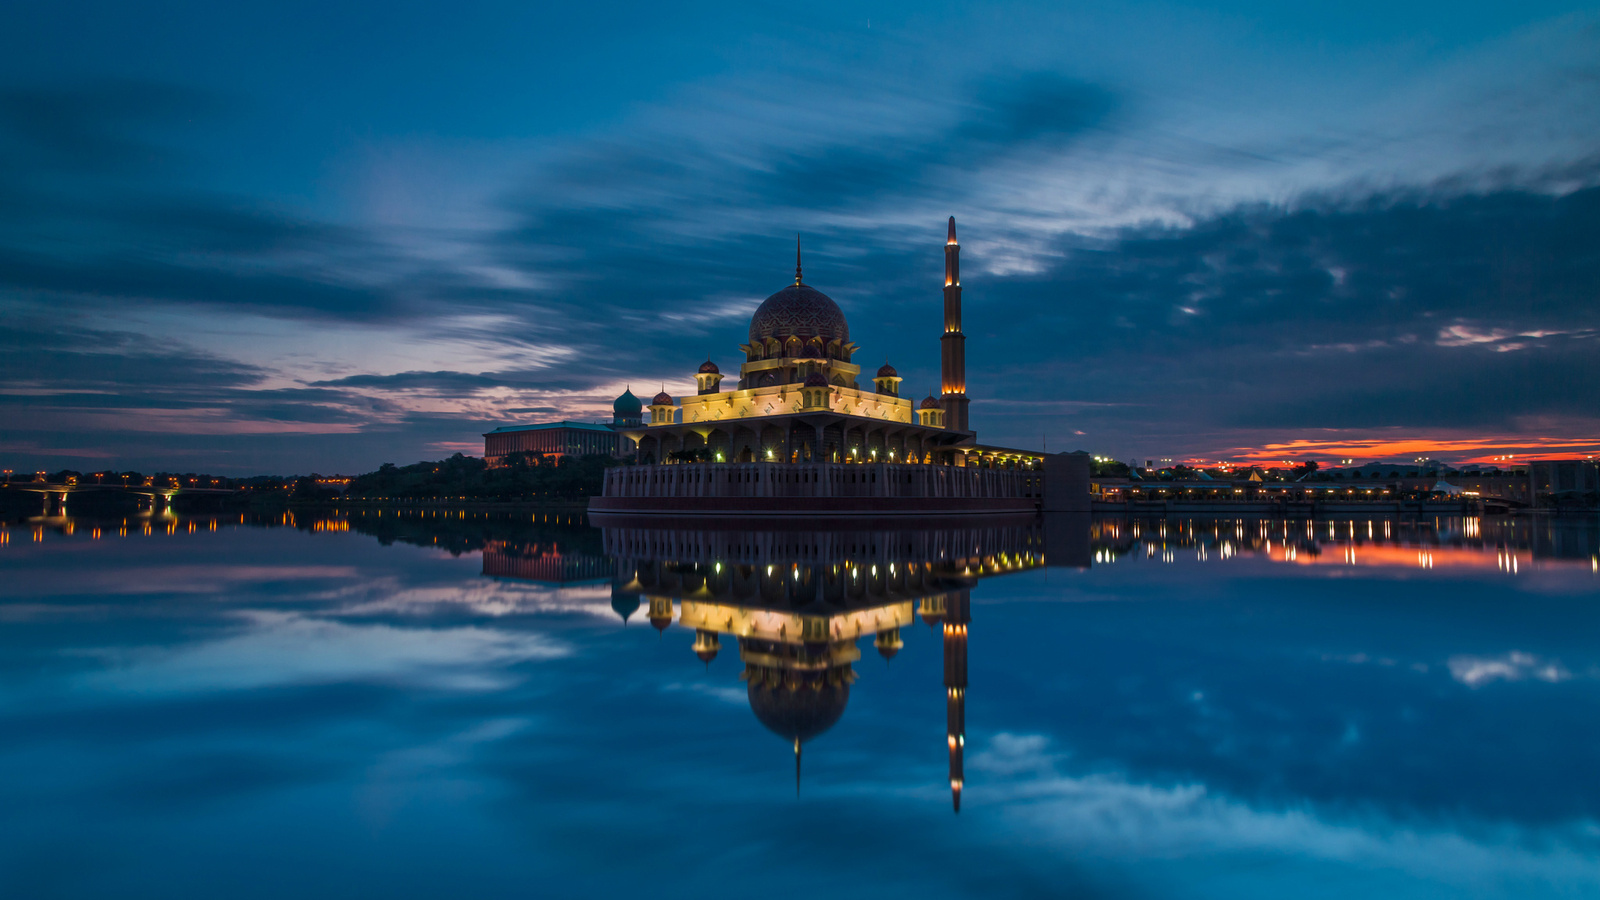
802,311
550,426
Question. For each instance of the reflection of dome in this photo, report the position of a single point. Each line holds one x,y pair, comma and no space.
662,399
888,643
930,403
802,311
800,714
706,645
709,368
625,605
887,371
627,406
816,379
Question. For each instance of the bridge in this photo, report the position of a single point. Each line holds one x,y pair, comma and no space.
54,496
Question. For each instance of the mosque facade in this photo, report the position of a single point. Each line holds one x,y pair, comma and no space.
804,430
802,397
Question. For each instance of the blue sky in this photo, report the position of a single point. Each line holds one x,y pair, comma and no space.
326,238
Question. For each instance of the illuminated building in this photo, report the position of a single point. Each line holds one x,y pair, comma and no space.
800,396
800,401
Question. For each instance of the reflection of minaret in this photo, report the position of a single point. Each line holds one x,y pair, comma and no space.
955,685
953,345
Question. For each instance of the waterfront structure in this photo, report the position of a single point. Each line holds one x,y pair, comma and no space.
800,432
800,397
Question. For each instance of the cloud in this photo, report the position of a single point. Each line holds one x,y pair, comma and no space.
437,382
90,128
1476,671
1110,815
284,649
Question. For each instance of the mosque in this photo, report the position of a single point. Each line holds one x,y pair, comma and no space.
800,403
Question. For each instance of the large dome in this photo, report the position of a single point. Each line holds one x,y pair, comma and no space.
800,310
800,714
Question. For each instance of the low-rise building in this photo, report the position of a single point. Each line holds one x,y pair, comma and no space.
552,439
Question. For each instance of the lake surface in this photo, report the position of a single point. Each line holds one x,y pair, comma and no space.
466,704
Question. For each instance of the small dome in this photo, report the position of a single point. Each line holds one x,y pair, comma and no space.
662,399
816,379
888,643
709,368
887,371
624,604
931,403
627,406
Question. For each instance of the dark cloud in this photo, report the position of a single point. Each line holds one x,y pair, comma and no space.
1012,111
67,357
438,382
1426,311
101,212
92,128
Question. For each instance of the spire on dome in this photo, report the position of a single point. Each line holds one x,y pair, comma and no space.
797,256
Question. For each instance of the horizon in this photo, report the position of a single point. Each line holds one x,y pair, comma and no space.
313,240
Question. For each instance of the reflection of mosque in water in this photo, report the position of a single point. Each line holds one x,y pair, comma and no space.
799,603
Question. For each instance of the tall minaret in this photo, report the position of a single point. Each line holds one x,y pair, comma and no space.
953,345
955,685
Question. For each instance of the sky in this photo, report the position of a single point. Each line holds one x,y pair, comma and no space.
321,237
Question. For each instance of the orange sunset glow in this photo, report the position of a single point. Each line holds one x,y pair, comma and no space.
1487,450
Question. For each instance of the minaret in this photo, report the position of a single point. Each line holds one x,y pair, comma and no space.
952,346
955,685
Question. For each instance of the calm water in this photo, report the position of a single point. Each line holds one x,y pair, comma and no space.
410,706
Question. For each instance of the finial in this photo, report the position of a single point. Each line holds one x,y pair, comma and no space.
797,259
952,238
797,765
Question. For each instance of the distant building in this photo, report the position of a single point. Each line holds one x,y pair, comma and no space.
1566,477
558,439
